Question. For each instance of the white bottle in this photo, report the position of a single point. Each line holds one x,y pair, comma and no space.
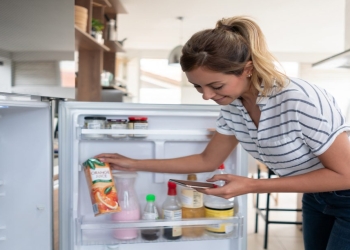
217,207
220,170
172,211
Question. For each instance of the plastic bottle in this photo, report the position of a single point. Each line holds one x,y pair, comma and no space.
217,207
220,170
192,207
128,202
150,213
172,211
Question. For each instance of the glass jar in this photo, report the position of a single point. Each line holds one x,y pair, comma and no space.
128,202
138,123
94,122
117,124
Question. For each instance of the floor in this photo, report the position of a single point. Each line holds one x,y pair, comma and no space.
280,237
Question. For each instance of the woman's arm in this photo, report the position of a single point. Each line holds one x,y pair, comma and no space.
217,150
335,176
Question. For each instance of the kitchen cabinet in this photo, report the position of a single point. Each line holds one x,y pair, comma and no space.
95,57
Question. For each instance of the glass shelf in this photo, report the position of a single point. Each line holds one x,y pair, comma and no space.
101,233
144,135
146,132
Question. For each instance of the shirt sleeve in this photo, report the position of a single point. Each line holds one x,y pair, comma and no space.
221,125
320,121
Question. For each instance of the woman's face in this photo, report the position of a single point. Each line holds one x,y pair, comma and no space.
219,87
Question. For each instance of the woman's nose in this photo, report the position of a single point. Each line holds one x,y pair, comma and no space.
208,94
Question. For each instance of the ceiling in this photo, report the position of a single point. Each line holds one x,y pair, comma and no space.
298,27
36,25
295,30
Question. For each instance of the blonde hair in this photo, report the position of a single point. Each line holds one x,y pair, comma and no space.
229,47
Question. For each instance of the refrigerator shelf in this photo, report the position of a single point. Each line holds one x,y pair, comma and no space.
108,239
84,131
102,233
145,135
86,224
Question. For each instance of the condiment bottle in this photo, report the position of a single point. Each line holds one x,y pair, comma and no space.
94,122
172,211
138,123
217,207
117,124
150,213
192,207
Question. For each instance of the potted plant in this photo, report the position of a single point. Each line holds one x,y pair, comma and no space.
97,28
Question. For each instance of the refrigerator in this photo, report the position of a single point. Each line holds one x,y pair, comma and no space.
26,190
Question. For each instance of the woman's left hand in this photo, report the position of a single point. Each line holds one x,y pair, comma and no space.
234,186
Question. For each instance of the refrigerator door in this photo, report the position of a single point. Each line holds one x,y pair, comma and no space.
25,173
173,131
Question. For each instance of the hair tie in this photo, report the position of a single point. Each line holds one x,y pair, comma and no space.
228,28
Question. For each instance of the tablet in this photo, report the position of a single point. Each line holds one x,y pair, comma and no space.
194,184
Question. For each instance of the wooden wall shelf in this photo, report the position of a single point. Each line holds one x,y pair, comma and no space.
94,58
116,8
114,46
102,3
87,42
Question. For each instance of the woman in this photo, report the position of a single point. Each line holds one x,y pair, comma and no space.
292,126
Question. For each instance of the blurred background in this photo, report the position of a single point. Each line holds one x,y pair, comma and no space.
40,46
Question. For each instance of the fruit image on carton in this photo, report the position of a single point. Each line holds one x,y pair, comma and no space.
103,193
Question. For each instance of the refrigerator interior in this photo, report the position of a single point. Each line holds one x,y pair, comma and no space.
25,173
174,131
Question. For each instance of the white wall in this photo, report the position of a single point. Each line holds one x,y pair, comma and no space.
335,81
5,74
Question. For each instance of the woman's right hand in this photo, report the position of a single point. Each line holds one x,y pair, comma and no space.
117,161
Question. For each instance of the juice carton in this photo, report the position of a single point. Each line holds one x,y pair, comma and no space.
100,181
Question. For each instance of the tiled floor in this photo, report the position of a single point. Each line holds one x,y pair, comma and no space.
280,237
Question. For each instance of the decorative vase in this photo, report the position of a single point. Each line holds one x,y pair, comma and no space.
99,37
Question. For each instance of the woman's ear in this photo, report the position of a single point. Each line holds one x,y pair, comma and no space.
248,69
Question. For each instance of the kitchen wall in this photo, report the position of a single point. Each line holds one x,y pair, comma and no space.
5,73
336,81
35,36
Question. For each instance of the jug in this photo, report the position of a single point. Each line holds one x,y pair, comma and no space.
128,202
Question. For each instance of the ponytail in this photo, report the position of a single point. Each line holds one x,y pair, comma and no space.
229,47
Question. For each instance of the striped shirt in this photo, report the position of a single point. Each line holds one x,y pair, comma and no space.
296,125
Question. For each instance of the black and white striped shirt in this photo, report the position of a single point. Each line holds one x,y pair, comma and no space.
296,125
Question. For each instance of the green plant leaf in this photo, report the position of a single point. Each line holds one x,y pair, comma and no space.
96,161
108,190
96,24
91,164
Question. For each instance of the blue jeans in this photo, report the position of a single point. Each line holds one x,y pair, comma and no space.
326,220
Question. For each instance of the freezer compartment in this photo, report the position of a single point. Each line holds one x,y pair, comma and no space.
93,232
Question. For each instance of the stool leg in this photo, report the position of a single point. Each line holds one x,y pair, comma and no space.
257,206
267,220
267,214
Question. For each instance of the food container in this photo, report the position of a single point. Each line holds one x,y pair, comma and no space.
80,17
129,204
103,194
138,123
117,124
95,122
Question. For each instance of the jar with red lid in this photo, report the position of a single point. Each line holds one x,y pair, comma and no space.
138,122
